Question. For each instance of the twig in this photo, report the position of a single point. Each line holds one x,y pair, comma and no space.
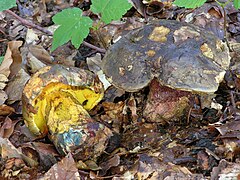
94,47
32,25
28,23
233,103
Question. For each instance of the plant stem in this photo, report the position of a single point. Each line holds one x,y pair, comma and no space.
28,23
101,50
32,25
224,22
223,5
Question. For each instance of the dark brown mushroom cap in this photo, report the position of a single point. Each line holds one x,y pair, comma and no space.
180,55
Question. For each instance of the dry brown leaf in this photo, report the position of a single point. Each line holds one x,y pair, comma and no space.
45,153
8,150
112,162
3,98
113,114
65,169
31,63
17,29
229,127
13,168
31,36
226,170
139,6
148,167
12,59
154,7
64,55
3,80
45,148
209,16
5,110
15,87
133,108
7,128
203,160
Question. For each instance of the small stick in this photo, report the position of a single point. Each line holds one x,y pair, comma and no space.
94,47
28,23
32,25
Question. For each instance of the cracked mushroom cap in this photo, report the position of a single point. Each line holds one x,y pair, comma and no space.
179,55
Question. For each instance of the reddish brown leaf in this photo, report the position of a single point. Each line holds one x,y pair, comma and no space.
6,110
65,169
7,128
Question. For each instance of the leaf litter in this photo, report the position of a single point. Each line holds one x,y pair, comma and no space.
203,145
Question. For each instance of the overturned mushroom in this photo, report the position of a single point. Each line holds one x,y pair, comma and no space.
55,102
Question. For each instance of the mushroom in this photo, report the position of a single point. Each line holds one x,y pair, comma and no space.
177,55
56,101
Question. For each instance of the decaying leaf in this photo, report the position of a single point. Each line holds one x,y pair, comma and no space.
148,167
9,151
15,87
226,170
94,65
12,59
34,58
3,97
65,169
7,128
5,110
3,80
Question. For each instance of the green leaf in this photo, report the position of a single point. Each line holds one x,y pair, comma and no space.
236,4
189,3
1,59
110,9
73,26
7,4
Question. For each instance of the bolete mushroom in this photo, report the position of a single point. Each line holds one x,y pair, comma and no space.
56,101
177,55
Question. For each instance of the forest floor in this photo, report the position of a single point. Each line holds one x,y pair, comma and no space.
203,144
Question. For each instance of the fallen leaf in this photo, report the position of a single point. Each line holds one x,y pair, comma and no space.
3,98
3,80
15,87
5,110
203,160
132,105
31,36
7,128
30,62
94,65
154,7
139,6
12,59
113,114
112,162
226,170
8,150
45,153
229,127
65,169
